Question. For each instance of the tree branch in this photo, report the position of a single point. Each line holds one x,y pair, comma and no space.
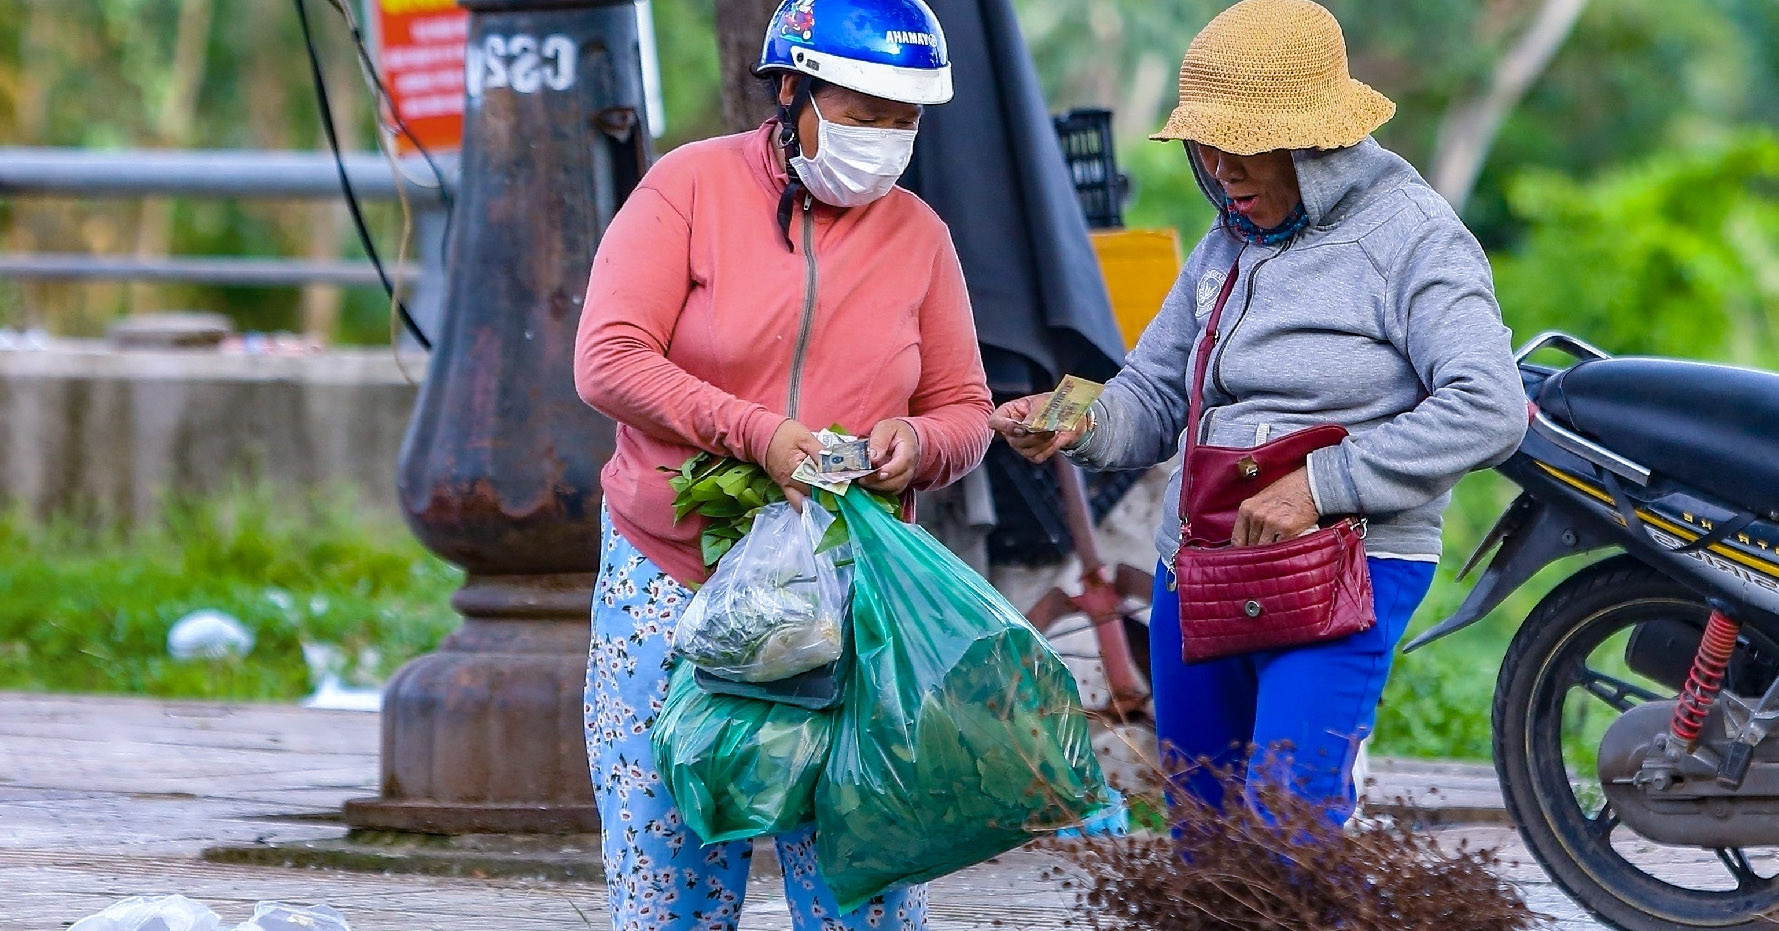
740,27
1472,124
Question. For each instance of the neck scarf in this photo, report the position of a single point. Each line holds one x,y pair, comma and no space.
1245,228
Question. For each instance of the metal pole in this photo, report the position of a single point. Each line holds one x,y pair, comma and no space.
253,272
201,173
500,471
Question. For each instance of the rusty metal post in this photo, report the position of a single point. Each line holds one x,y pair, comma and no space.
500,471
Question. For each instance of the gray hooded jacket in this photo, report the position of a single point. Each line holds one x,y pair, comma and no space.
1380,317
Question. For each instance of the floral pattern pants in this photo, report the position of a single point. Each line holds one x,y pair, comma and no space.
659,876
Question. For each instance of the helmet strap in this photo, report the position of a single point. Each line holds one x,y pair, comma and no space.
792,145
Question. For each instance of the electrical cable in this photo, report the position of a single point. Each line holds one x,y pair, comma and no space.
388,117
352,204
390,121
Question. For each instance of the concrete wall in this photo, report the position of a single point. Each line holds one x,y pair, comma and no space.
89,430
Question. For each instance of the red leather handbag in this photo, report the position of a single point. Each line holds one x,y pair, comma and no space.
1233,600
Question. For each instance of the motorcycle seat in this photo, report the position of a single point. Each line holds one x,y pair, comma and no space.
1714,427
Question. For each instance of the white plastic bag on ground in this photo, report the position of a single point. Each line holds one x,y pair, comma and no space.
775,607
276,916
152,913
208,635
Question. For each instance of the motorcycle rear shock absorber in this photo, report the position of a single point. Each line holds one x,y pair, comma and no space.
1710,665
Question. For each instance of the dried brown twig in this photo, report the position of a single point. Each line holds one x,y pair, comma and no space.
1276,863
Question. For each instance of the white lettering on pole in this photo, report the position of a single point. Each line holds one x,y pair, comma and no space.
473,71
521,62
560,52
526,79
494,49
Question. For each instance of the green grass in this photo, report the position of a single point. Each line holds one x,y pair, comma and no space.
1437,704
87,608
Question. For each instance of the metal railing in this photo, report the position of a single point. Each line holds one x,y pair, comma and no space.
226,174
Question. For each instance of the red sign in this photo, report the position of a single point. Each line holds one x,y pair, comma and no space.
420,50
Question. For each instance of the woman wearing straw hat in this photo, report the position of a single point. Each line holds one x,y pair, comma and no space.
1337,288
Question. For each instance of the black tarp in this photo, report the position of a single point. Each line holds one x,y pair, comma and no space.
990,164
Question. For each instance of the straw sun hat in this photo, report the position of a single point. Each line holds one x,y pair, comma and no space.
1272,74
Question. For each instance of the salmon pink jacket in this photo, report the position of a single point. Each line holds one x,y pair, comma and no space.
702,331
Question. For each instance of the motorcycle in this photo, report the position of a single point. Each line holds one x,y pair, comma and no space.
1634,709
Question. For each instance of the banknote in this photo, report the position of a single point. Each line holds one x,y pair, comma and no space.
1067,404
840,450
807,474
848,456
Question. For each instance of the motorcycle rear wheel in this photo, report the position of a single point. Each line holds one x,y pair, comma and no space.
1567,657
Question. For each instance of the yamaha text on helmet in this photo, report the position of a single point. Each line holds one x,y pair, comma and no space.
888,49
893,49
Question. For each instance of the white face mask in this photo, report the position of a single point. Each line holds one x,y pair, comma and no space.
854,165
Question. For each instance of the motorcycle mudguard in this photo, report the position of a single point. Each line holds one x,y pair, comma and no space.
1532,535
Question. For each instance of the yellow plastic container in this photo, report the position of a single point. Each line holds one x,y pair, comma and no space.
1139,267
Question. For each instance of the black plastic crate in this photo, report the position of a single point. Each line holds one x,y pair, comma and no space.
1086,138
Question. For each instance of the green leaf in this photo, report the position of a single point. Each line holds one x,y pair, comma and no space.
733,482
835,536
723,510
714,548
708,491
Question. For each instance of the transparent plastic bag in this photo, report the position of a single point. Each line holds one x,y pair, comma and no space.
738,767
276,916
775,606
152,913
961,735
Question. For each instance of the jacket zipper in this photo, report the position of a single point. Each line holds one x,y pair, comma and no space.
811,279
1247,301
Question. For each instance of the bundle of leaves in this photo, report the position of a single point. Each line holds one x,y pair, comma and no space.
728,493
737,767
775,608
1272,861
962,734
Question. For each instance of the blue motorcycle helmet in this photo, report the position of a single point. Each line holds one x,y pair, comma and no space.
893,49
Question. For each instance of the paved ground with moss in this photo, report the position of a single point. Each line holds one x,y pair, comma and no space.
102,798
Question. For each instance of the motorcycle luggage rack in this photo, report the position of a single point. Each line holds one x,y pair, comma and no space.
1566,439
1552,339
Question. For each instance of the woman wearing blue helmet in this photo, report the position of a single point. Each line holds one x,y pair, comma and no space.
864,67
751,287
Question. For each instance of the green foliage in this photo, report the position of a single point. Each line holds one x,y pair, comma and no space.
87,609
1438,700
1675,254
1635,77
98,74
1164,192
1108,53
686,44
727,493
730,493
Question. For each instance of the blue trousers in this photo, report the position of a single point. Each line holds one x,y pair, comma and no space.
1314,704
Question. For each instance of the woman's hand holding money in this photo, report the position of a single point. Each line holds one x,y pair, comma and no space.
1035,445
791,444
895,453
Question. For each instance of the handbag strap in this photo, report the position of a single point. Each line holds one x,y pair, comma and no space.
1195,405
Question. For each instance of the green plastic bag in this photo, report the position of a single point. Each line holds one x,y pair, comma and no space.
961,736
738,767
